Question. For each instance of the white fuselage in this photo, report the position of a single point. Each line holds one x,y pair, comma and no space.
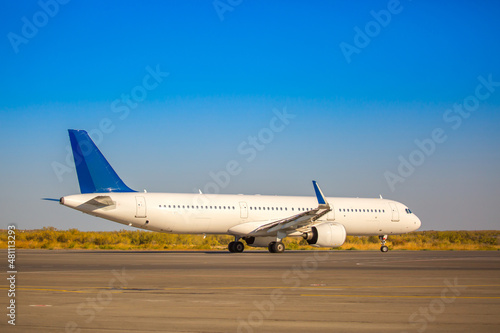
216,214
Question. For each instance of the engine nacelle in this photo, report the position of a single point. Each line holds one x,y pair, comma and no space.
259,241
326,235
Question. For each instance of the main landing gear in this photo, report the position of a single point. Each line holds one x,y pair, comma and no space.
276,247
236,246
383,248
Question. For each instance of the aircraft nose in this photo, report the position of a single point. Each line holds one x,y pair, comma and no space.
418,223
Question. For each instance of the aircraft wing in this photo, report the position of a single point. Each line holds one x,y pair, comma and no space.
288,224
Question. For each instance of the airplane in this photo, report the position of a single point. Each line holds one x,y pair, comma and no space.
259,220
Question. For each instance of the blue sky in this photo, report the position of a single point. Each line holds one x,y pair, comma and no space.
230,69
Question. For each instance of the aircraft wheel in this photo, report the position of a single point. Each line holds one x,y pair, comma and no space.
231,246
238,247
384,248
270,247
278,247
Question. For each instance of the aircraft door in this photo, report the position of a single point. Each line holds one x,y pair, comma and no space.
243,210
395,212
140,207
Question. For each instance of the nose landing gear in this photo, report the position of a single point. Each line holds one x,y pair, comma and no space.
383,238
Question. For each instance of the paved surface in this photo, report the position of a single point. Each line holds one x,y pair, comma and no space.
350,291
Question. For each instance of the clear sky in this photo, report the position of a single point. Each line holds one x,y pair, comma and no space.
367,97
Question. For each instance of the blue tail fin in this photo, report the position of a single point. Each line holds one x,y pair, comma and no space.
95,175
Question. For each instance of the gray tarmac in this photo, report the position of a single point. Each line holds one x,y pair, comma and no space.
254,291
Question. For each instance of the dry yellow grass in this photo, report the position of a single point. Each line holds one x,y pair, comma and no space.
50,238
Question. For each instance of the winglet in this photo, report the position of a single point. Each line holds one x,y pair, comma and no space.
319,195
95,174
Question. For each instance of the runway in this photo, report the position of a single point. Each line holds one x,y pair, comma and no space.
254,291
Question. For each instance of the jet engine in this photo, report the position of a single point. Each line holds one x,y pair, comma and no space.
326,235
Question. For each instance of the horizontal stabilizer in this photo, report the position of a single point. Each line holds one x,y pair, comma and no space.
100,201
51,199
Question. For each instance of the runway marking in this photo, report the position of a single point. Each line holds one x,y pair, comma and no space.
114,290
322,287
395,260
403,296
53,289
49,289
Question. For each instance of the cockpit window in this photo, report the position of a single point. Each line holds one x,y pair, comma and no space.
408,211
